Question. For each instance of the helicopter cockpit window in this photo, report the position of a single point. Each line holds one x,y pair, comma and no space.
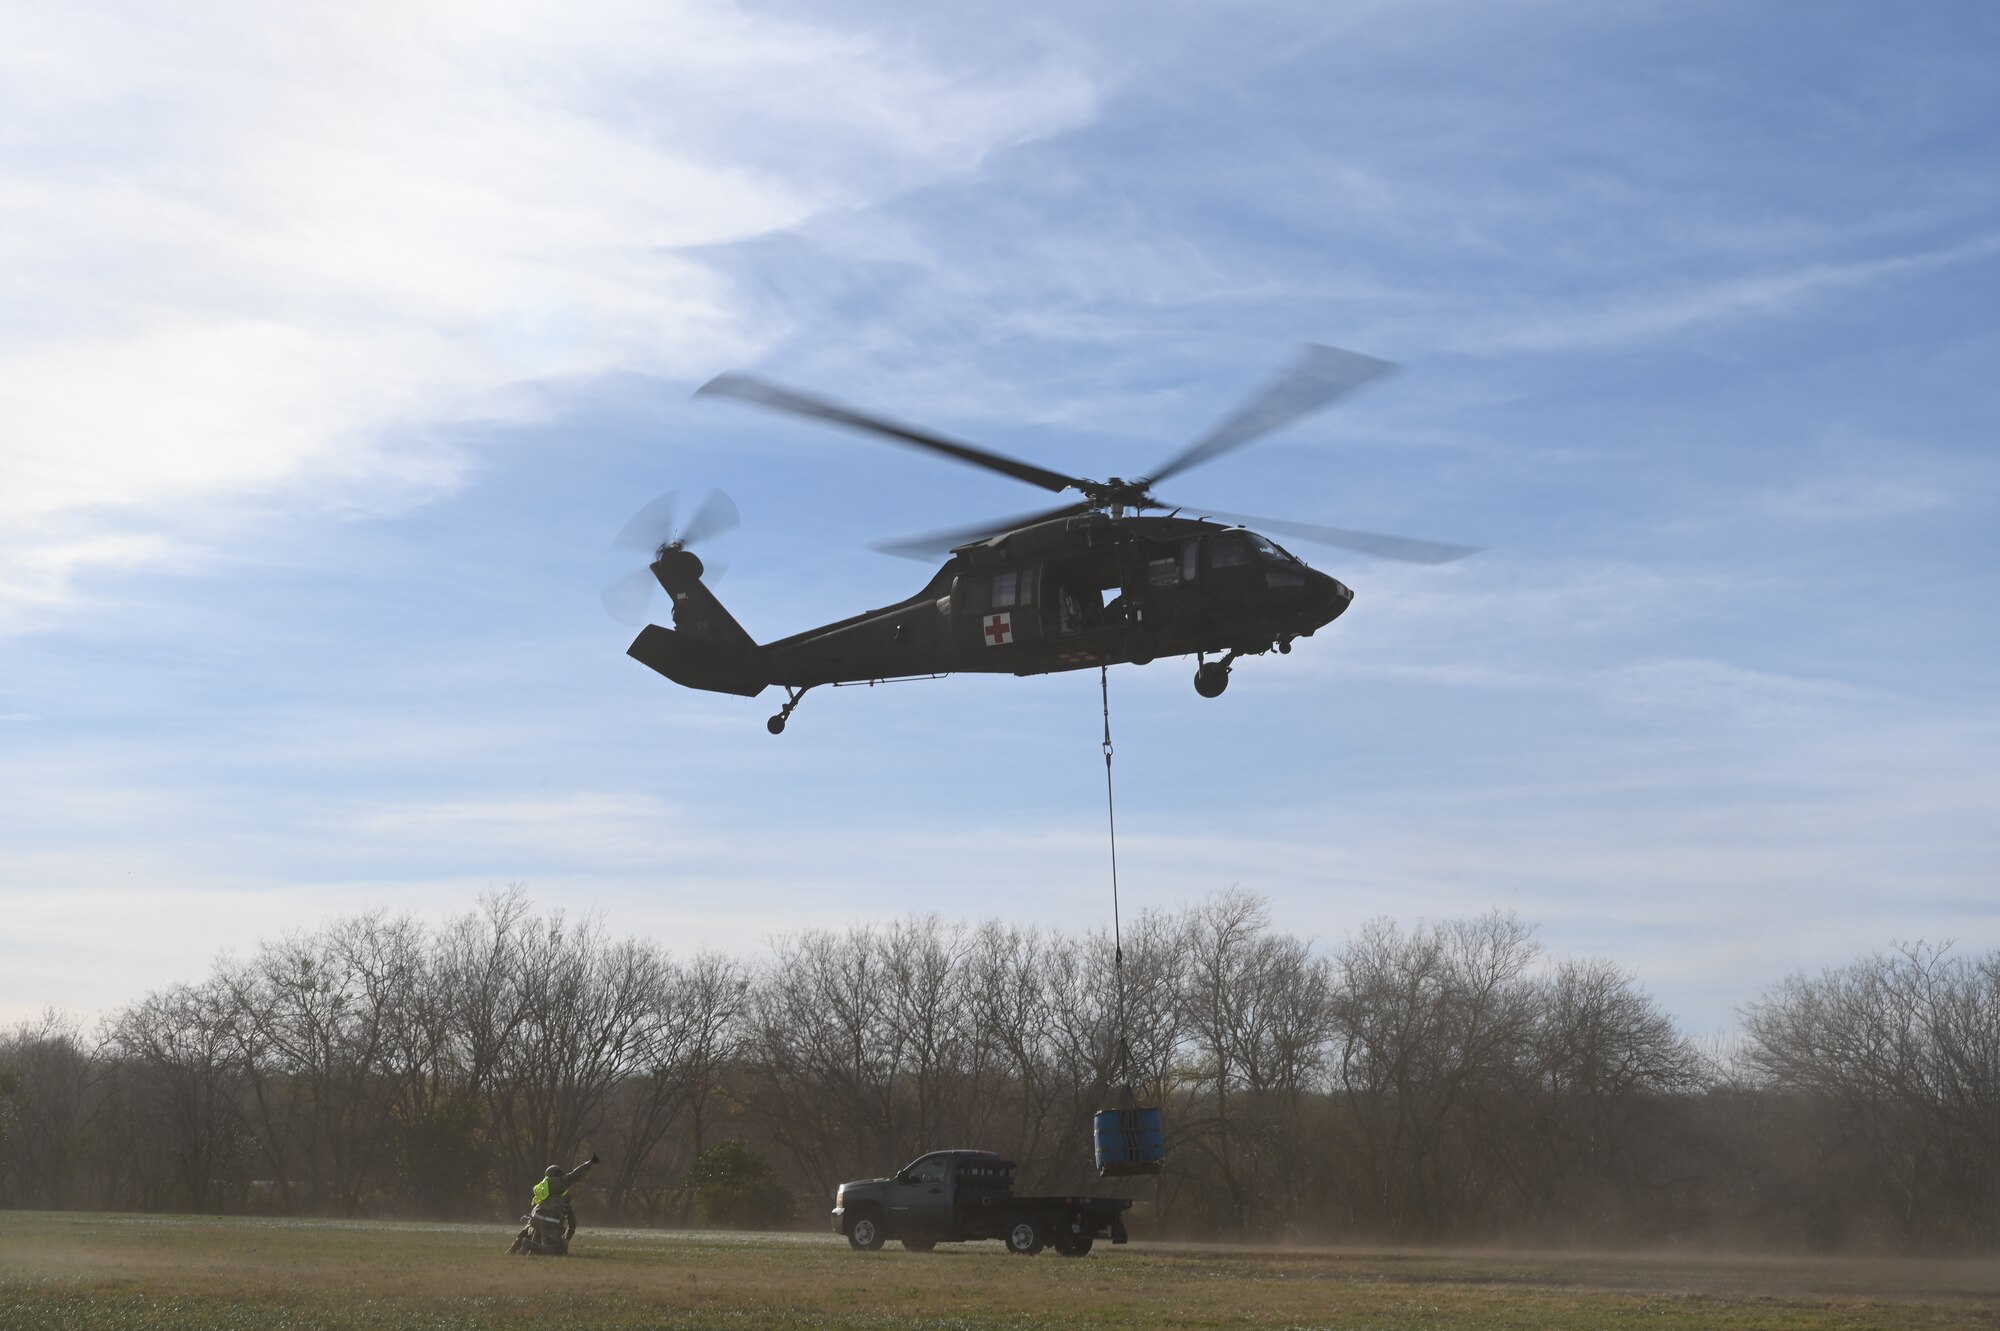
1234,549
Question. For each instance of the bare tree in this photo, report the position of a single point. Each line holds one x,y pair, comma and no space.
684,1048
588,1014
1894,1064
48,1099
823,1056
182,1082
1430,1024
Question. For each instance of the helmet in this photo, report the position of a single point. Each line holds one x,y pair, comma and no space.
553,1171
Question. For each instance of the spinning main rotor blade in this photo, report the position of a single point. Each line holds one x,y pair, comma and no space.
1407,549
746,389
933,544
1320,377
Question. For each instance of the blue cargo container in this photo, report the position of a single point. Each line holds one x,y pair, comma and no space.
1130,1141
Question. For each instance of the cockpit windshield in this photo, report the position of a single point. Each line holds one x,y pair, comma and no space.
1240,546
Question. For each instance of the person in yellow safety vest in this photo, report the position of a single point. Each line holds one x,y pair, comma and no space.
552,1193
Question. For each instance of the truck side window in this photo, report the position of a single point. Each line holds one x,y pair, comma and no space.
930,1169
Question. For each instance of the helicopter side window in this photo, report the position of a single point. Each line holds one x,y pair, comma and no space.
1231,550
1015,587
1190,559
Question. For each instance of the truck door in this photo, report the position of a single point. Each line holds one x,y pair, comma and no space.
920,1203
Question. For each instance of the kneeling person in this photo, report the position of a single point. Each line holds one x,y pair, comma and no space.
551,1219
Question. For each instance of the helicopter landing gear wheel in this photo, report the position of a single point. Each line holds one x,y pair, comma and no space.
776,725
1211,678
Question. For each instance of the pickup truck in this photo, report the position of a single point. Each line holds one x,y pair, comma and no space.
958,1196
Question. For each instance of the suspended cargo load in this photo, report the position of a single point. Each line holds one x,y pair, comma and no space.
1131,1140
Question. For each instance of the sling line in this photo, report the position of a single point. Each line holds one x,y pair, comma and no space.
1122,1069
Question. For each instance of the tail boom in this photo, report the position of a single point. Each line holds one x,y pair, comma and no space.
696,664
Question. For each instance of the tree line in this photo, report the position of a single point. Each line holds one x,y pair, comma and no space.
1442,1082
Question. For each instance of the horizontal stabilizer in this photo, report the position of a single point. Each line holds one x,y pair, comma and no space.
694,663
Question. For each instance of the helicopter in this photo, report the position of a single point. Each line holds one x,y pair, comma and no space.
1097,581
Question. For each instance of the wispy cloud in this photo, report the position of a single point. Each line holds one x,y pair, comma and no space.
1650,309
247,252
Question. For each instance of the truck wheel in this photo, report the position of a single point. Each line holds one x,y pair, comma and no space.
1025,1237
864,1234
920,1245
1073,1245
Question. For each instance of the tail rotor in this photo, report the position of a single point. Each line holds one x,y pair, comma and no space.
652,532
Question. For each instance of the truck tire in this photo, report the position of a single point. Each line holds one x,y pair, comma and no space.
1073,1245
1026,1237
864,1233
920,1245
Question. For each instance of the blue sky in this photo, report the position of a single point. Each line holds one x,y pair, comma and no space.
335,346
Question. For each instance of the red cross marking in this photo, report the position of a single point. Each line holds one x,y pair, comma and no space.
999,629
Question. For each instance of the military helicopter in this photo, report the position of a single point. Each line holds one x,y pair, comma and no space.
1093,582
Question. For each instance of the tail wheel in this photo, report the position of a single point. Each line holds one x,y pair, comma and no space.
1026,1238
864,1233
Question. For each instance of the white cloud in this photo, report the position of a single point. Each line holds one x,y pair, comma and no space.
1896,485
243,248
589,831
1684,690
1656,310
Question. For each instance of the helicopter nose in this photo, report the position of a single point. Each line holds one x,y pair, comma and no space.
1335,597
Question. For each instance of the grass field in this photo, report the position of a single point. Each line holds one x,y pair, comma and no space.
60,1272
